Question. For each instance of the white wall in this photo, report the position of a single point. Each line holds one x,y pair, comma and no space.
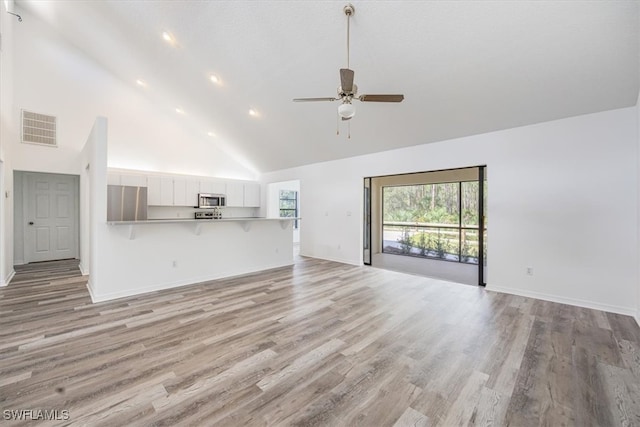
273,202
637,315
56,78
7,133
93,200
562,198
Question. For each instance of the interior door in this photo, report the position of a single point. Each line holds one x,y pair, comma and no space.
51,217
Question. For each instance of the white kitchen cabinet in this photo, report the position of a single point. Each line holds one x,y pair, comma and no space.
160,191
235,194
219,188
113,178
166,191
206,186
179,192
252,195
184,190
153,190
133,180
192,190
213,187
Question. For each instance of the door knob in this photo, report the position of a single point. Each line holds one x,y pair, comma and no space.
30,222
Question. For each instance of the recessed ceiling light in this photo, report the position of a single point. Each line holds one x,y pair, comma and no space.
141,83
168,37
215,79
211,134
253,112
179,110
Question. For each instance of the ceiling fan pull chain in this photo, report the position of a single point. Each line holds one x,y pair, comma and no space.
349,124
337,124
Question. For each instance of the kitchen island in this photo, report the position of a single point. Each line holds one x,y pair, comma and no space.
145,256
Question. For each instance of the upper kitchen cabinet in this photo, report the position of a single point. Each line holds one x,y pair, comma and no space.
185,191
133,180
213,187
160,192
113,178
180,192
235,194
192,190
252,195
243,195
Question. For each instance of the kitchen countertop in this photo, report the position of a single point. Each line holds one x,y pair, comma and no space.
181,220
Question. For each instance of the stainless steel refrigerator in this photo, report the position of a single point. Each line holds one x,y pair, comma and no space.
126,203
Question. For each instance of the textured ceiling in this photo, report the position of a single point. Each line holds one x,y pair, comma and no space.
465,67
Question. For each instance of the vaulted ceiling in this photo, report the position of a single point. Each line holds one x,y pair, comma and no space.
465,67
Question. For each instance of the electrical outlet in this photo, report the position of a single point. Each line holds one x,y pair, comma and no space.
529,271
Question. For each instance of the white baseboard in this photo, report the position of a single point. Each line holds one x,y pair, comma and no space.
6,280
90,289
95,297
629,311
341,261
637,317
84,271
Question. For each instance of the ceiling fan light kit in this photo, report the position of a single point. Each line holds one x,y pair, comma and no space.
346,110
348,91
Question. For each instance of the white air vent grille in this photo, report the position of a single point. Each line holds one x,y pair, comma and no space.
38,129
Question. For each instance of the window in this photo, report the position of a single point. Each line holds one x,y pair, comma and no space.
289,205
432,221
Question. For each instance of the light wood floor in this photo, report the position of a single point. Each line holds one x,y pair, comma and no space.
320,343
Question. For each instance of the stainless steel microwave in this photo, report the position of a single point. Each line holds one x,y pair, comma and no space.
209,201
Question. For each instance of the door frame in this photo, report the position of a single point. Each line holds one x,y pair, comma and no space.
481,227
366,230
481,179
25,208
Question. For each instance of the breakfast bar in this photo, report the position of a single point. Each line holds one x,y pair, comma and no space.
244,223
148,255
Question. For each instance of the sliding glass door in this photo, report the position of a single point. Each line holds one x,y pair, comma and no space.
366,250
438,215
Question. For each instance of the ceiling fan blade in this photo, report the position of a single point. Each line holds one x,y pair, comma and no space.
346,80
314,99
381,98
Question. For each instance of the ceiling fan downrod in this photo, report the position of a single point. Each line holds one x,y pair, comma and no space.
349,10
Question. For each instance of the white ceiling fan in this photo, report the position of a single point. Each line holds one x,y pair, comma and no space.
348,91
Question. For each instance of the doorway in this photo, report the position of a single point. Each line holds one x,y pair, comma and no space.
46,212
284,202
428,223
